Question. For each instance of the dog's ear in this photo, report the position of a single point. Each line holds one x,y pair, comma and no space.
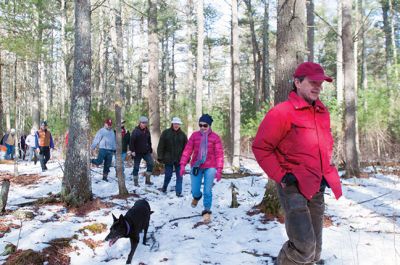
121,217
114,218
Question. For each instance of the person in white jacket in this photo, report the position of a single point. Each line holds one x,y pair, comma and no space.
30,142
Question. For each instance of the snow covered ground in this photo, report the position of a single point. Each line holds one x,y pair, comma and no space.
363,232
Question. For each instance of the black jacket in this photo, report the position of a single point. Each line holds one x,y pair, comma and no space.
171,145
125,142
140,141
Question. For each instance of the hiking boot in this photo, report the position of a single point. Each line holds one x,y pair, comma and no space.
194,203
206,216
179,195
148,182
136,181
105,177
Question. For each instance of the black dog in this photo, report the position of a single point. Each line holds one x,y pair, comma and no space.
130,225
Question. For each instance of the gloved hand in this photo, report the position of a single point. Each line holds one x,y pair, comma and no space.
182,170
218,175
289,180
133,154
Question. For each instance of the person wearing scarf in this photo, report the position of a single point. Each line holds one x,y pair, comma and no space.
205,151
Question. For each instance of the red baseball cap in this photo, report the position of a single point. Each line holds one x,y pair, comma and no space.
313,71
108,122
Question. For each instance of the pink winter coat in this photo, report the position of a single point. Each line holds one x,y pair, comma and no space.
215,152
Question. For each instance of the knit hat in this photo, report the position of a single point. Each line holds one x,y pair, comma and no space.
108,122
12,131
143,119
176,120
206,118
43,123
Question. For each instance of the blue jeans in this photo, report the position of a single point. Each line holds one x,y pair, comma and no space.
31,153
208,174
169,168
10,152
136,163
106,156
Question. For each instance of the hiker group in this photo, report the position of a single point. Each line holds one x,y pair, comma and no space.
204,150
293,145
35,146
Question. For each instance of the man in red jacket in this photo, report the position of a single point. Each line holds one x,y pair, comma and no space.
294,147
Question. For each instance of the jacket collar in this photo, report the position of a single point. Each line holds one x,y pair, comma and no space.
300,103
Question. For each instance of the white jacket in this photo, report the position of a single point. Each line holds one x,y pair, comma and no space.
30,141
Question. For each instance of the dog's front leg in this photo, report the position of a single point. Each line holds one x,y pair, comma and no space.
134,243
145,234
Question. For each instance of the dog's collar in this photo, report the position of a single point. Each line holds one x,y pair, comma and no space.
128,228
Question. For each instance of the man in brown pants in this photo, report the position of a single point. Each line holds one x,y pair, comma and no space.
294,147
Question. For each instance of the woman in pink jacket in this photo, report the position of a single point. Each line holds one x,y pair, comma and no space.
205,150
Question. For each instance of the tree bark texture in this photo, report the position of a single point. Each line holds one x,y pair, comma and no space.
200,59
5,187
339,57
310,30
1,96
351,155
154,101
290,48
76,186
265,61
236,108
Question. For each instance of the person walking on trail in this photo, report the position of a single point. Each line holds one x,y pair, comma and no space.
169,151
206,153
105,140
125,135
140,148
43,143
31,146
10,140
293,145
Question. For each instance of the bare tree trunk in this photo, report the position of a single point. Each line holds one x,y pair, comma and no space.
36,96
76,185
5,187
290,51
265,67
310,30
102,62
174,92
1,96
389,48
393,36
290,44
199,70
43,87
117,41
363,29
64,48
339,57
154,101
140,64
352,165
190,59
235,87
256,57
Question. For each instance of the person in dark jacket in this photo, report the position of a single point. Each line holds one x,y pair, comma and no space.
140,148
169,151
125,135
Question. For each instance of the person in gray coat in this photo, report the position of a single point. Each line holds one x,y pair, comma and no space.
105,140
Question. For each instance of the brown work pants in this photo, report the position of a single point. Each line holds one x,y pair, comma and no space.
303,222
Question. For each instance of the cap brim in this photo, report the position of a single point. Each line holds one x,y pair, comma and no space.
320,77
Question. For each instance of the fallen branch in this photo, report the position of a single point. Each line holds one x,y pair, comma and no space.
374,198
185,217
255,254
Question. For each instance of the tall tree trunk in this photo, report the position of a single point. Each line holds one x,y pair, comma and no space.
256,56
102,62
140,64
154,101
363,29
199,69
352,165
339,57
1,96
44,95
64,49
265,61
388,38
290,51
117,41
236,109
393,36
76,185
190,59
36,96
310,30
173,91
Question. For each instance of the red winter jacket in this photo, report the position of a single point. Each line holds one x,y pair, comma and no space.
215,152
296,137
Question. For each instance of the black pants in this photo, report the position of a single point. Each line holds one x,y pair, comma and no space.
44,156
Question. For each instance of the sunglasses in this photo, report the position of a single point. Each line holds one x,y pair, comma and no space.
205,125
